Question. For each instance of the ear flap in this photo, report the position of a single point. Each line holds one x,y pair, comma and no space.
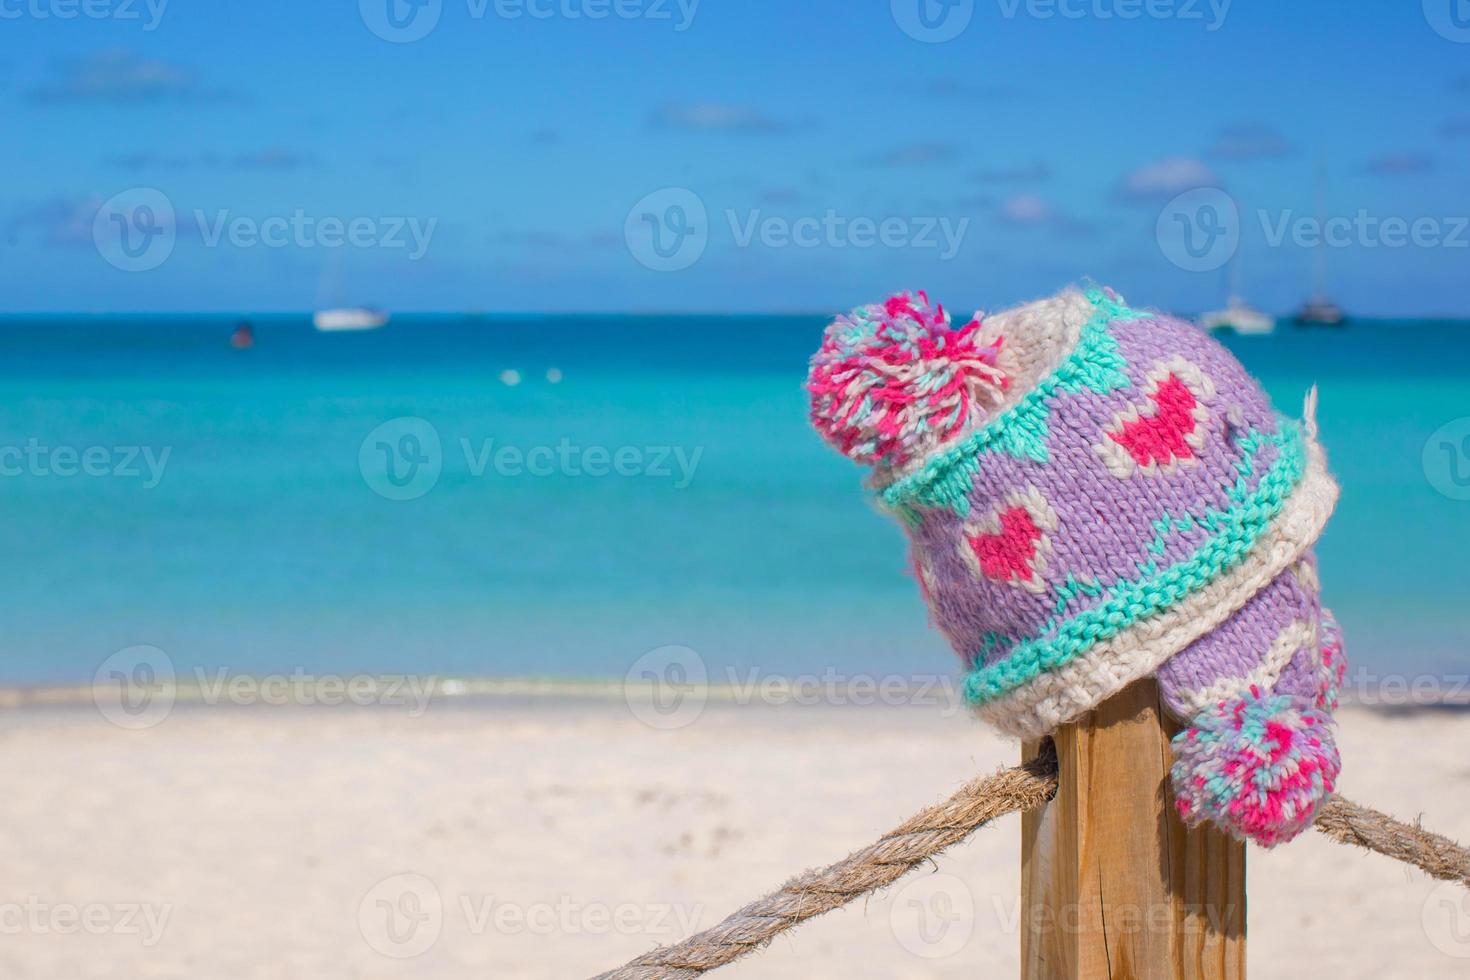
1258,755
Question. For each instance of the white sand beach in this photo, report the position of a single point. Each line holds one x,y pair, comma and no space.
557,838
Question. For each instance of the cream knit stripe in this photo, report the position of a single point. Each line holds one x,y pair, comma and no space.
1037,338
1296,635
1055,698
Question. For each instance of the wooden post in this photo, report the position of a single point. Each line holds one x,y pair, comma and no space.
1113,884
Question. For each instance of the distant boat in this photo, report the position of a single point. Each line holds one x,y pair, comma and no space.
332,314
244,337
349,318
1319,311
1240,317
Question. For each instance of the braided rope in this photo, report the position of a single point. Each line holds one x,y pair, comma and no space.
813,892
1436,855
941,826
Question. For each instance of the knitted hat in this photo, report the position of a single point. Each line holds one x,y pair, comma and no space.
1094,494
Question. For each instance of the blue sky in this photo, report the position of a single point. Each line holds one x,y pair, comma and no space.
1047,138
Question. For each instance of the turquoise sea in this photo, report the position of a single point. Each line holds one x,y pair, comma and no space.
266,539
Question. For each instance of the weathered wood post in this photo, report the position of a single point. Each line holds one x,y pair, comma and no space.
1113,884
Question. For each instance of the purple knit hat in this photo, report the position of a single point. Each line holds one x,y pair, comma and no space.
1095,494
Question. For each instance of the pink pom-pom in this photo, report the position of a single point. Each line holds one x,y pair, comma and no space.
894,380
1258,767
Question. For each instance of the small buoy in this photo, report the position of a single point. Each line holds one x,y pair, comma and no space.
510,377
553,375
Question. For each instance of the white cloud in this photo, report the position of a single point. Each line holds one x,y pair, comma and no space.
1163,179
714,116
1026,209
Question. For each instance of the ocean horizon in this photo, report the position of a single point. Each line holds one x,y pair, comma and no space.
511,495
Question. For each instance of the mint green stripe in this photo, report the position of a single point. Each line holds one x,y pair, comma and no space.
1131,601
1165,528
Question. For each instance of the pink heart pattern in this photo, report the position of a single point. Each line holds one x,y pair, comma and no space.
1012,543
1168,431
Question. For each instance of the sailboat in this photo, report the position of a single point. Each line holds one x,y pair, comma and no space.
349,318
332,315
1319,311
1238,315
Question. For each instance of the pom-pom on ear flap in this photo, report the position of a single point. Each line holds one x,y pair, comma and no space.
894,380
1257,766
